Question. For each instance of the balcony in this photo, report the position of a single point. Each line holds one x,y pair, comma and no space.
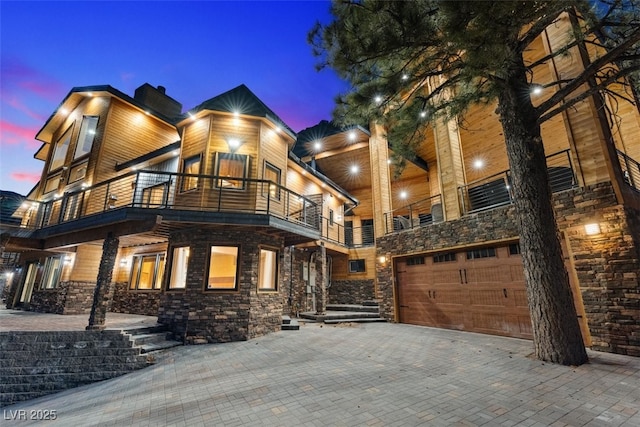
418,214
630,170
209,199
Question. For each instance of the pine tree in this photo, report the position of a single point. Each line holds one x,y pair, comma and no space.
410,62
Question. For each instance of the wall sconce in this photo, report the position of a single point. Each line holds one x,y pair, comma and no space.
234,144
382,259
123,262
592,229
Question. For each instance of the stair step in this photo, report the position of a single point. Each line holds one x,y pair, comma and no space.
353,307
151,338
24,383
158,346
291,326
286,320
355,320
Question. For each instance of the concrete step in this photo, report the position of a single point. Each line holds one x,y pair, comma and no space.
24,383
291,325
88,362
11,398
353,307
152,339
355,320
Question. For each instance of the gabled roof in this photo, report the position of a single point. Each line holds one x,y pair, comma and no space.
75,97
241,100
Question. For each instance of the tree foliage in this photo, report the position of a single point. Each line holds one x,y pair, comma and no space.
410,62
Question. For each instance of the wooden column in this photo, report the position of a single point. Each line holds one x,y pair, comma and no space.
450,166
380,178
104,290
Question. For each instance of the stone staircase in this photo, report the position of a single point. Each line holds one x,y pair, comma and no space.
368,311
289,324
35,364
151,339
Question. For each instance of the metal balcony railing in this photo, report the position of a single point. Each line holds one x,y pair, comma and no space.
163,190
495,190
630,170
352,237
417,214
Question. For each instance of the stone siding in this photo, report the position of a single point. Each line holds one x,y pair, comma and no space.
135,301
66,298
607,265
196,314
351,291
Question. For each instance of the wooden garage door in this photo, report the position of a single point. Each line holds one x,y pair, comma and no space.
479,290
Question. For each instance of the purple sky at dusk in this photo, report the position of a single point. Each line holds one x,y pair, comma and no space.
197,50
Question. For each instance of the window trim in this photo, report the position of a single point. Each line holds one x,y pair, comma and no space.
67,134
357,270
169,261
45,282
236,286
185,179
276,269
156,284
93,137
278,182
223,156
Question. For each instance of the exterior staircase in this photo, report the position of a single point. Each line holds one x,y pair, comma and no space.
368,311
35,364
289,324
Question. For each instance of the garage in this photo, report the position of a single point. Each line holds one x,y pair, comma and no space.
476,289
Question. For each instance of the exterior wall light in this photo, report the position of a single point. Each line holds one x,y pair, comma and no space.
592,229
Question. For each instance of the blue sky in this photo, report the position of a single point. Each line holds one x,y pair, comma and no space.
196,49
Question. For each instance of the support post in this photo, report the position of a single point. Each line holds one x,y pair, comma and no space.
104,290
321,285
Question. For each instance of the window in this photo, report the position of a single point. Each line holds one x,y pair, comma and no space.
268,270
481,253
78,172
356,266
179,264
514,249
52,270
60,150
416,260
86,137
52,184
448,257
223,268
190,166
147,271
271,173
231,166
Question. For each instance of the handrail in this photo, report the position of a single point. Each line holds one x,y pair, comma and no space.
417,214
630,170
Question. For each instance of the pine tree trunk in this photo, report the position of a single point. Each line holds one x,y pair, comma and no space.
556,331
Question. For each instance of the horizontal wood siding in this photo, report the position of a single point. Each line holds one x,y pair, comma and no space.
341,264
86,263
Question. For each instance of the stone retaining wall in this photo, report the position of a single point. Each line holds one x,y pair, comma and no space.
66,298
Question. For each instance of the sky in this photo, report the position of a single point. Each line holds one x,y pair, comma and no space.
196,49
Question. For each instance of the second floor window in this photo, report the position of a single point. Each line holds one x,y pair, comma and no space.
60,150
272,174
229,166
190,166
87,135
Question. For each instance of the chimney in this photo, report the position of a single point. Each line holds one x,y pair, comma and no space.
157,100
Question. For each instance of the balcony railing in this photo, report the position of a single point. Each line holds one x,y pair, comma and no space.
162,190
417,214
630,170
495,190
352,237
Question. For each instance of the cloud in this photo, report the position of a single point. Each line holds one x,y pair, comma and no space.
31,177
18,105
20,78
12,134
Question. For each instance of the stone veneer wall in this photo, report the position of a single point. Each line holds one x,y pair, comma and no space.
351,291
135,302
221,316
66,298
301,301
607,265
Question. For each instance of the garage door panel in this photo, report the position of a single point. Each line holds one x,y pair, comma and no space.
482,294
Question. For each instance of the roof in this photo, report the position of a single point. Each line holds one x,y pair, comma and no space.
75,96
241,100
323,129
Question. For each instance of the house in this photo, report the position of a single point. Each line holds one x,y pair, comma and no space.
222,219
